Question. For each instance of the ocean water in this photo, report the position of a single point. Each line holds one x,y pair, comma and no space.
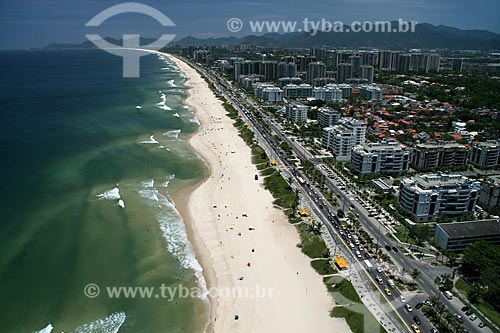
89,165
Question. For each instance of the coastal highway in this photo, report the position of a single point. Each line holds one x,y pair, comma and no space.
265,140
425,280
426,277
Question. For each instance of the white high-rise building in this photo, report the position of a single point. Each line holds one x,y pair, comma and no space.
342,137
486,154
296,113
424,197
371,93
330,92
328,117
381,157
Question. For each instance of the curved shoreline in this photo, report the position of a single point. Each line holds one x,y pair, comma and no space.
242,241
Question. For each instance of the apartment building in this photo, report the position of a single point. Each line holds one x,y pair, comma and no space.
424,197
342,137
381,157
485,155
431,156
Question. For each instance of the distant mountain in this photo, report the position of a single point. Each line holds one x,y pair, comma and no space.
426,36
89,45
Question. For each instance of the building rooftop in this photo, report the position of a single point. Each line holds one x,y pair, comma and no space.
381,184
471,228
449,144
377,146
440,179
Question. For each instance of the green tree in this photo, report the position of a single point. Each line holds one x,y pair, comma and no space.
474,259
475,293
415,273
446,283
420,233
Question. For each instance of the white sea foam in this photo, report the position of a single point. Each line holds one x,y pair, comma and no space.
148,183
167,180
163,102
172,134
149,193
151,140
176,115
138,107
46,329
164,107
121,203
110,324
174,232
194,120
171,83
113,194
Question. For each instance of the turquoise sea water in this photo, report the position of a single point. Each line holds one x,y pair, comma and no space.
89,162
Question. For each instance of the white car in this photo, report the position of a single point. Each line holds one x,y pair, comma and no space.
408,307
403,299
379,269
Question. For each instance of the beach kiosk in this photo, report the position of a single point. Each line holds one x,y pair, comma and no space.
303,212
340,262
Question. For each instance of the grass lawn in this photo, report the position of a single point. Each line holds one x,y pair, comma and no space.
402,234
354,314
323,267
281,191
312,245
484,307
346,289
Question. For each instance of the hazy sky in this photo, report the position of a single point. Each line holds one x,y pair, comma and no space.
35,23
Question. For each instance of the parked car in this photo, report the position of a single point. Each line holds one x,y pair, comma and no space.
434,330
481,325
402,298
427,302
419,305
388,291
468,312
408,307
415,328
395,249
417,320
473,317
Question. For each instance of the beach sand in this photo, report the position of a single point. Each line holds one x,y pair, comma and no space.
279,292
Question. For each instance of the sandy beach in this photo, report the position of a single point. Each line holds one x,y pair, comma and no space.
260,275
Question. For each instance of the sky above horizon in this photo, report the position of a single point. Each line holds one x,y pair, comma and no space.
36,23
